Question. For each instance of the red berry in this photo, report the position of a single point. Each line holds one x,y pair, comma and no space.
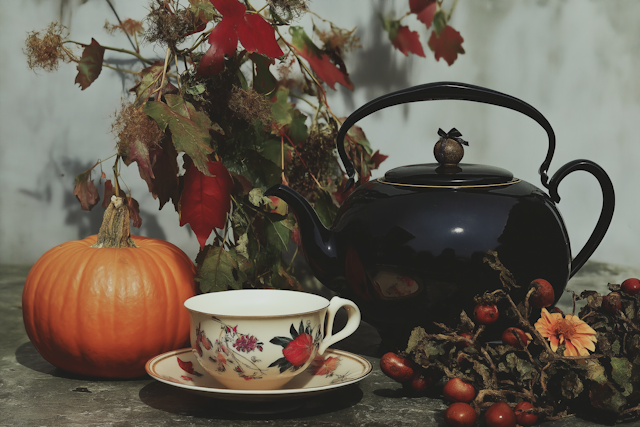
612,302
525,418
500,415
458,390
544,295
486,313
466,335
460,414
509,337
396,367
631,286
419,383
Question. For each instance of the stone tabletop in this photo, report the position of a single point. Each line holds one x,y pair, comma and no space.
35,393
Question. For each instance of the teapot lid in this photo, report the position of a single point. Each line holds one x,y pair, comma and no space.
448,172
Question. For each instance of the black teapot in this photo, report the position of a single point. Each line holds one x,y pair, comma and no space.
410,248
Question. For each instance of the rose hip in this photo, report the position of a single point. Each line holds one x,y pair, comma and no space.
544,295
525,418
486,313
612,302
509,336
631,286
500,415
460,414
397,367
458,390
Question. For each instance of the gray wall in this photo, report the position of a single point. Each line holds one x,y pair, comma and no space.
576,61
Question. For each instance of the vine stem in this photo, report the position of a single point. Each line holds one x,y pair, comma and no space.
115,49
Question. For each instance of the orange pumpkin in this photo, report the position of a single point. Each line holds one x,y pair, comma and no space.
104,305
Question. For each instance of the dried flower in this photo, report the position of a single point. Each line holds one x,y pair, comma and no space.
129,26
47,51
577,337
250,105
135,132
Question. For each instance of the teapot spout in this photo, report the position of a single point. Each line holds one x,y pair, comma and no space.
318,242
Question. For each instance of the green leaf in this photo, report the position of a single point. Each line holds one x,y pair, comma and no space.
293,332
189,128
325,208
281,109
90,65
391,26
263,82
278,233
281,341
621,374
150,81
256,168
297,128
220,270
439,21
272,151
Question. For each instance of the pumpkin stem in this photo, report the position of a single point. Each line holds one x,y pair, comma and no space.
115,229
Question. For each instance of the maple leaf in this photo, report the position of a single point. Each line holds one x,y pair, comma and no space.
424,9
377,158
403,39
448,45
86,191
164,183
219,270
90,64
205,200
320,62
189,128
254,33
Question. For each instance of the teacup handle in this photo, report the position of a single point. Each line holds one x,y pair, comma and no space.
353,321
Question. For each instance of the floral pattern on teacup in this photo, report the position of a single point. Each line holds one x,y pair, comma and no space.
230,350
298,349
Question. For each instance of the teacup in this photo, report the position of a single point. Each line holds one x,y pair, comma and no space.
259,339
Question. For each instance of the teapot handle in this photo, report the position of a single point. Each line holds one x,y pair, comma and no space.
440,91
606,214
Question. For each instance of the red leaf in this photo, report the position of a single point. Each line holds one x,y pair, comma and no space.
448,45
320,62
86,191
134,211
257,35
407,41
90,64
254,33
205,200
108,192
377,158
424,9
186,366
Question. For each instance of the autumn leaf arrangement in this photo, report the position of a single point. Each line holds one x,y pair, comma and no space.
238,104
548,366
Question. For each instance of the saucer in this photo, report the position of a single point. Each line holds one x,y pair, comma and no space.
334,369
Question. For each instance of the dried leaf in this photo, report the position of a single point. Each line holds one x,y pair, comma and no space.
90,64
86,191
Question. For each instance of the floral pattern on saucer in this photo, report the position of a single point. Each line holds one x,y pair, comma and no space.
336,369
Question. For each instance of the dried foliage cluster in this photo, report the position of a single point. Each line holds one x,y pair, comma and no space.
603,385
238,104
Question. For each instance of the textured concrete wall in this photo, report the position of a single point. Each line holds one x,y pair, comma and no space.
576,61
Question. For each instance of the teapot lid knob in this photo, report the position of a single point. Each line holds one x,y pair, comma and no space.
448,150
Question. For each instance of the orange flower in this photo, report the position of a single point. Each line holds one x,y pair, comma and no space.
577,337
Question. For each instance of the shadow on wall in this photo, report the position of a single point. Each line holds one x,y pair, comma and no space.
61,173
375,68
